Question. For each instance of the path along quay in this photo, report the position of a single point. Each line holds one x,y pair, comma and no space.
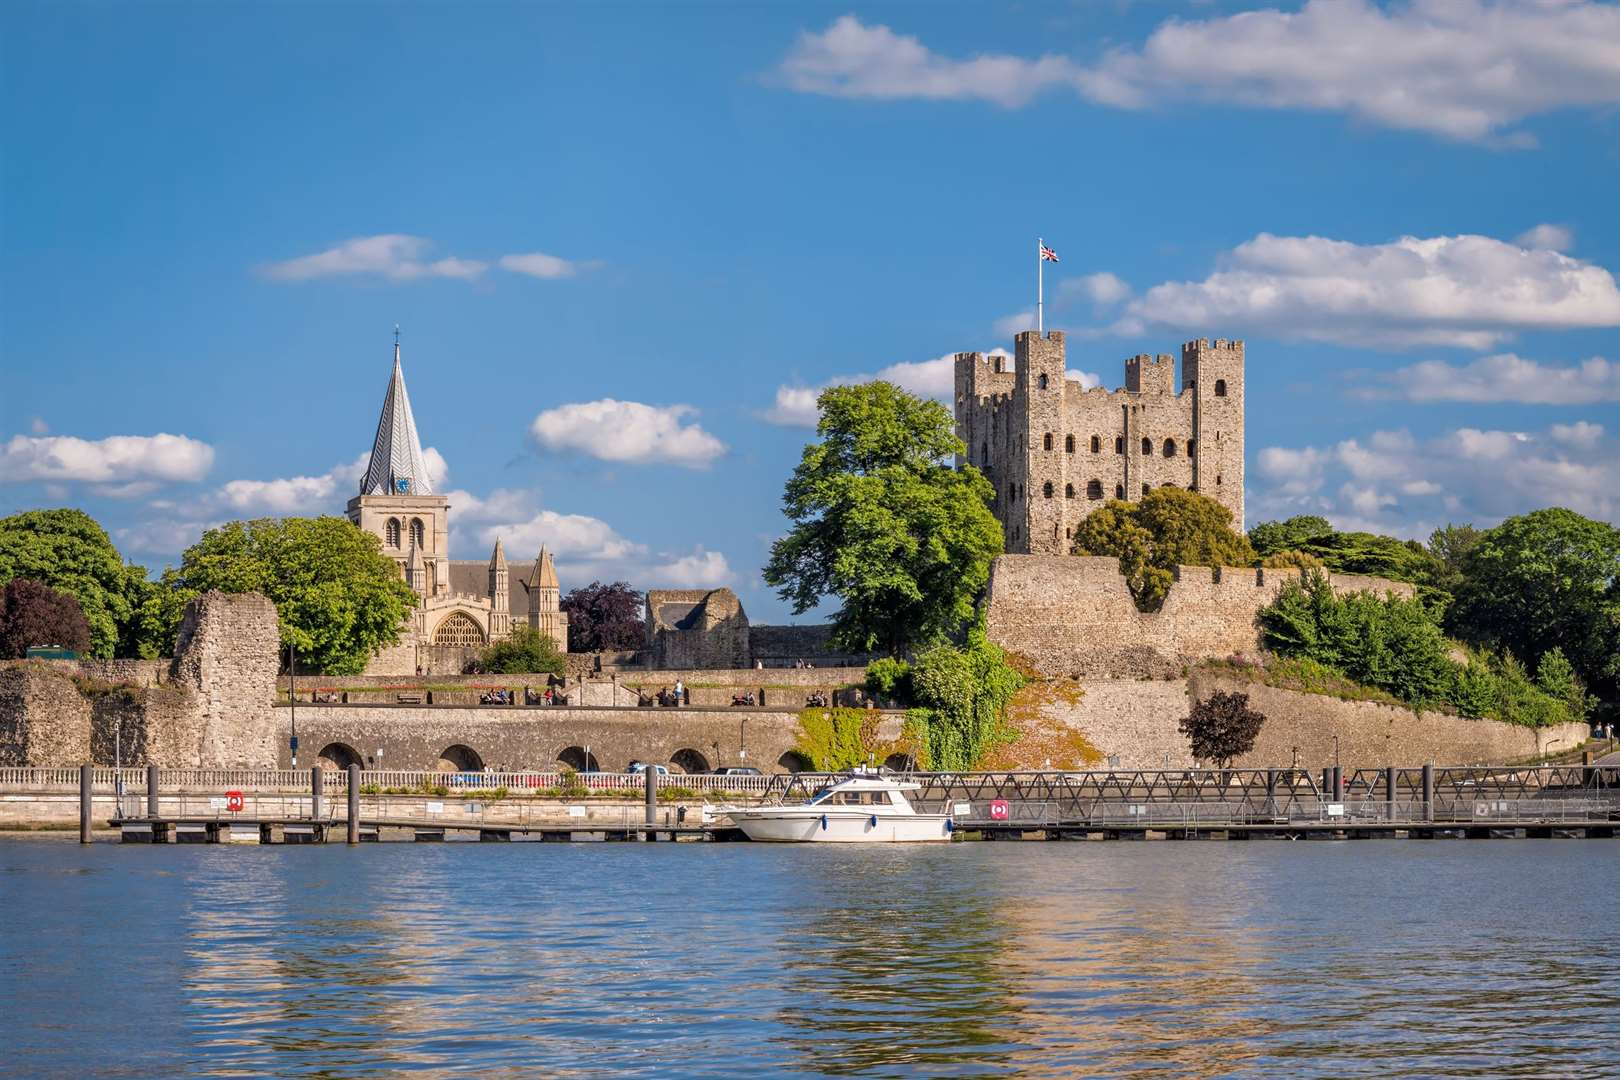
155,805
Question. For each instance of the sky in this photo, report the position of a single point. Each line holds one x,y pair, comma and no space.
625,245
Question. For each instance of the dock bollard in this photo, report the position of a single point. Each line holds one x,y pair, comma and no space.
1338,784
315,793
86,780
354,804
152,793
1428,793
1389,789
652,801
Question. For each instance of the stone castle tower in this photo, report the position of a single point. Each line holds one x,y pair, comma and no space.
462,605
1055,451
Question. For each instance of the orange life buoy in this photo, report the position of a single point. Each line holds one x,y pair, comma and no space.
233,801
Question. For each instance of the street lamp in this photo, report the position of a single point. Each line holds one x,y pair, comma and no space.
1335,751
292,700
742,745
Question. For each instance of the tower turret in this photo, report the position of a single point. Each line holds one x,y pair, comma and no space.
1213,371
1038,526
500,602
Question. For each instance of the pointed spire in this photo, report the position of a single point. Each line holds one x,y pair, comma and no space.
497,561
545,573
397,466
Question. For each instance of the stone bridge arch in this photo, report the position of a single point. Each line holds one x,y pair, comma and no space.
339,756
460,758
579,759
688,760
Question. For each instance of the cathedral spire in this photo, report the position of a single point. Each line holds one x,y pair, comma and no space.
397,466
497,560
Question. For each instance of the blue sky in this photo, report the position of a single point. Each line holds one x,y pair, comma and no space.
622,242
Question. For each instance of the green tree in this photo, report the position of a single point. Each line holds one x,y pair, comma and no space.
69,551
964,693
1170,527
526,650
339,597
1271,537
884,523
1548,579
1292,559
1222,728
1556,677
34,614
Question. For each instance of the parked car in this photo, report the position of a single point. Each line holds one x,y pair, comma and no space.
638,767
737,770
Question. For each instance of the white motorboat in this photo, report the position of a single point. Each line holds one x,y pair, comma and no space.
863,808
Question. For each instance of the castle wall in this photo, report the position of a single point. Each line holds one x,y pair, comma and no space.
1072,615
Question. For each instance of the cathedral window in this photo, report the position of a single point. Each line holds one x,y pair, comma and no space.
1094,489
1147,445
1046,444
391,533
1046,489
1068,491
1040,383
1096,444
458,628
1169,448
1068,443
417,533
1220,387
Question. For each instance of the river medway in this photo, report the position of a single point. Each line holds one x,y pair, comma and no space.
1389,958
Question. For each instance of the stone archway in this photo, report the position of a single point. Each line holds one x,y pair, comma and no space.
689,761
460,758
899,763
579,759
459,628
793,761
340,756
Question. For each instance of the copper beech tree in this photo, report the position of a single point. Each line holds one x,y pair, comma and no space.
1222,728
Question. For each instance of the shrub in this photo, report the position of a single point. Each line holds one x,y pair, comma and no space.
1221,728
525,651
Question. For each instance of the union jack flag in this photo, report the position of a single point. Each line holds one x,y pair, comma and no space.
1048,254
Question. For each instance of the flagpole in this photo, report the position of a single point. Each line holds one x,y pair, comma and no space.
1040,287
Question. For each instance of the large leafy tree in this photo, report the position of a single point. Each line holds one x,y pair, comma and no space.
604,618
1271,537
34,614
1170,527
339,597
525,651
1548,579
884,523
1222,728
69,551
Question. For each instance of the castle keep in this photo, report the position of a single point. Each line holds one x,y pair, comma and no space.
1055,450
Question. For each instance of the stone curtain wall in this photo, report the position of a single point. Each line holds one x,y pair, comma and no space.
1137,721
44,720
226,654
1073,616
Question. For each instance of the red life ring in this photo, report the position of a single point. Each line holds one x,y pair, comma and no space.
233,801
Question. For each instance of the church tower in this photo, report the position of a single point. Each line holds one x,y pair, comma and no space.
500,614
545,598
396,501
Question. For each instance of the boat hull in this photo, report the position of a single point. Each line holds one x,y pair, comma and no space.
835,828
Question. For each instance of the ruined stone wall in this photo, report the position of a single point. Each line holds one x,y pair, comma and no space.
124,672
1072,615
44,720
1135,724
226,653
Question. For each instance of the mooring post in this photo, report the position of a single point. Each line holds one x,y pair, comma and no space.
87,780
1271,792
152,792
1428,793
1327,783
354,804
1389,790
1338,784
652,801
315,793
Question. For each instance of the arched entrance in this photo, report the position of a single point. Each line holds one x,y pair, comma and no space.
899,763
460,758
793,761
340,756
578,759
689,761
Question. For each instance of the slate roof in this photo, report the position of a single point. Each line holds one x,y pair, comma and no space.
397,466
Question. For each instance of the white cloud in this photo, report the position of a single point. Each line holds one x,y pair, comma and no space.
627,431
1010,325
326,493
1502,378
569,537
538,265
1550,237
1101,288
38,426
1395,483
699,570
394,256
795,406
1468,291
1460,69
117,461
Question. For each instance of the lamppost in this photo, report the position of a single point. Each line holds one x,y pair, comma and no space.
1335,751
742,745
292,700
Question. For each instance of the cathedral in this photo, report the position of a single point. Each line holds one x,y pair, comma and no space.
462,605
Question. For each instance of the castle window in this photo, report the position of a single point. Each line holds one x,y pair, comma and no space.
1169,448
1217,479
1068,491
999,365
1147,445
1096,444
1094,489
1145,490
391,533
1068,443
1046,444
1119,491
1192,445
1220,387
1119,444
1046,489
984,452
1040,383
458,628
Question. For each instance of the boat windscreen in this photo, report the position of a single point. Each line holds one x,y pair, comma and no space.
820,794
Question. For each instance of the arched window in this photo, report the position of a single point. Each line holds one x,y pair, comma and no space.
458,628
1000,365
1145,490
1220,387
1040,382
1119,491
1094,489
1068,491
1169,448
1096,444
391,533
1068,443
1147,445
1192,445
1119,444
1046,443
1046,489
416,533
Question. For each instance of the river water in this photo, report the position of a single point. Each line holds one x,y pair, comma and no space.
1364,958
